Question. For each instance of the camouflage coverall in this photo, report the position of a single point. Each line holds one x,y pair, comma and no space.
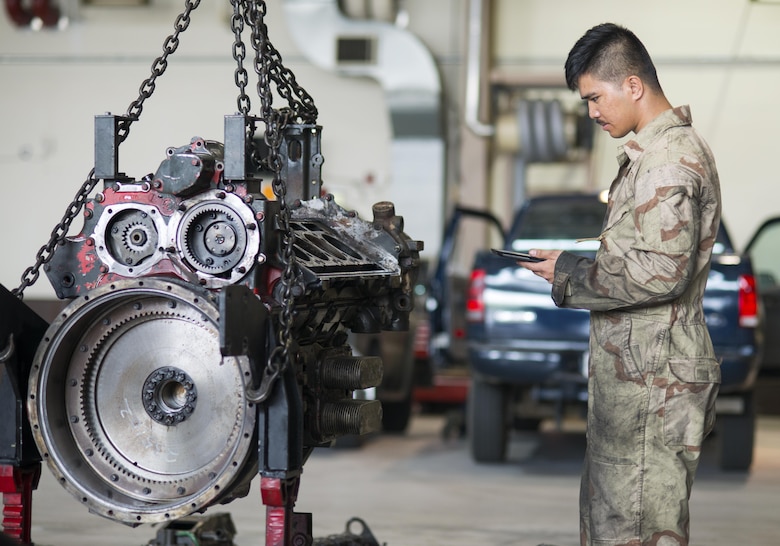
653,373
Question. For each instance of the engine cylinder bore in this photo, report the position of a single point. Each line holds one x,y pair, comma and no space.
134,408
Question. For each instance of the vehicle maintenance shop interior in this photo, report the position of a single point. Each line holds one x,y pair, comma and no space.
247,290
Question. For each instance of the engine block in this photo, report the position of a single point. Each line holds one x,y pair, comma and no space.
143,393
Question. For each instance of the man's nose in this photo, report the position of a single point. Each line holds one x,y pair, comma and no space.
593,112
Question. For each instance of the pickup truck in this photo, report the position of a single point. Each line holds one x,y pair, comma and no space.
529,358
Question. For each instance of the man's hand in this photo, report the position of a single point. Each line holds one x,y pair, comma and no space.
545,269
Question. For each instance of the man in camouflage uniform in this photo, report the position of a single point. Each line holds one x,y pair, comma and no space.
653,373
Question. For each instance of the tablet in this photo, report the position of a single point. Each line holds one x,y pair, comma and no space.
517,256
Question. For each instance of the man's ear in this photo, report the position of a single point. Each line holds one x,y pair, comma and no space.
635,87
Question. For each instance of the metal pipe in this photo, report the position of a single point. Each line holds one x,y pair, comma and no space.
408,74
474,71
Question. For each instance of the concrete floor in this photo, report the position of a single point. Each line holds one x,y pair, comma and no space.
423,489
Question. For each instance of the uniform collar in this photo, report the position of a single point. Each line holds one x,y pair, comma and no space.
675,117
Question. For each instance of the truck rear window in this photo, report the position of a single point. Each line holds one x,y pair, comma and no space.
558,223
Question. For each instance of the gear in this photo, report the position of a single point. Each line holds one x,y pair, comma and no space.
157,424
131,237
216,236
128,238
140,239
213,238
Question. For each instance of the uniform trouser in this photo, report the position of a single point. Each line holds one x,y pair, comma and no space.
645,430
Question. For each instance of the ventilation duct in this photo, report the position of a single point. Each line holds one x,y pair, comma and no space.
406,70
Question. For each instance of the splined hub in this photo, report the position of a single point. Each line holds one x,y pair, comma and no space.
135,409
169,395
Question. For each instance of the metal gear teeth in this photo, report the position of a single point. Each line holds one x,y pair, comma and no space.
88,378
130,246
190,255
100,447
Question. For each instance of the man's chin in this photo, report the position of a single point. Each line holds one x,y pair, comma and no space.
613,132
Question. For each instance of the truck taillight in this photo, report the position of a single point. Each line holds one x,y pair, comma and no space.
422,340
475,302
748,301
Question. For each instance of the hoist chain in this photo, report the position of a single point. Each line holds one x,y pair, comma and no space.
241,78
239,54
158,68
267,65
300,109
46,252
298,100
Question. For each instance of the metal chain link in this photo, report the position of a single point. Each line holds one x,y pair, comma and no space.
279,358
288,87
298,100
44,255
269,68
239,54
46,252
158,68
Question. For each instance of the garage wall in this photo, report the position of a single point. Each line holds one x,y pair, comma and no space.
720,56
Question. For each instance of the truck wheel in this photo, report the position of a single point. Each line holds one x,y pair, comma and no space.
488,422
736,436
395,415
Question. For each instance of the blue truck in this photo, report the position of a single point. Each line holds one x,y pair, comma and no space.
529,359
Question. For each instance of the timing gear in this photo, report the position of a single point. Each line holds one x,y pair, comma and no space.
127,238
216,235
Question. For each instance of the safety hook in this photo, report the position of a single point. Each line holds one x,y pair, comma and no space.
9,350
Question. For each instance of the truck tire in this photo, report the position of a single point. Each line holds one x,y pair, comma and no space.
395,393
736,436
488,421
396,415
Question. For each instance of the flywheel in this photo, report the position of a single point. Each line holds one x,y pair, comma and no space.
134,408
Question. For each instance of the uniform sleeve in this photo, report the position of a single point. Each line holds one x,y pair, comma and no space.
647,257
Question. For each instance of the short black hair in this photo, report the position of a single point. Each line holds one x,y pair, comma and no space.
610,53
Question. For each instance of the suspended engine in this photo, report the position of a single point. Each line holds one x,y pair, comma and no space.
206,336
145,391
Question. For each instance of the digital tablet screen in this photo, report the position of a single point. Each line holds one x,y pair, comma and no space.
517,256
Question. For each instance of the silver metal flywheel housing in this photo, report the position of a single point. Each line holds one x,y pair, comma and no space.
134,408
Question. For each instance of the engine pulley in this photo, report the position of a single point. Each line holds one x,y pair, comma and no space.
134,408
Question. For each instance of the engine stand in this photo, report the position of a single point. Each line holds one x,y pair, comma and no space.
282,525
16,485
21,329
